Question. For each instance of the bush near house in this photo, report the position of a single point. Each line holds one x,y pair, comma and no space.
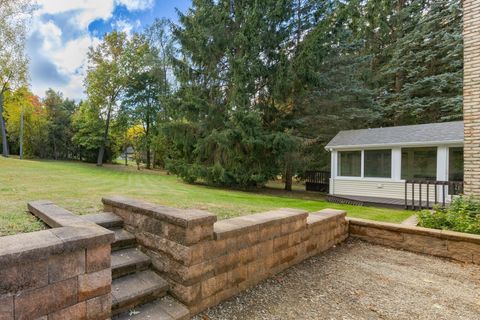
463,215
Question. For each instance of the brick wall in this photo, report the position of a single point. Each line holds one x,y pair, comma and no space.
60,273
471,95
206,261
458,246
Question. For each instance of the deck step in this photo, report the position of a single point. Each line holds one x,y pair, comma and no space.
165,308
105,219
127,261
123,239
136,289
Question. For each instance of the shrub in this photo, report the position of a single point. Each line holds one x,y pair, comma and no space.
463,215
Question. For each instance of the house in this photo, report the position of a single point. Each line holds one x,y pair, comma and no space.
396,165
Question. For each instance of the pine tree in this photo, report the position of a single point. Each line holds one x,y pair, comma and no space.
229,60
429,57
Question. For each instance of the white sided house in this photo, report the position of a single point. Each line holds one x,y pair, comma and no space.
397,164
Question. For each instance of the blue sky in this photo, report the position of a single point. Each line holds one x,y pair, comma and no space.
63,30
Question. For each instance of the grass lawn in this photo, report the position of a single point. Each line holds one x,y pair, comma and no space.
79,188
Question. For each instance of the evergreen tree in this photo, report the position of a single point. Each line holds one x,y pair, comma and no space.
230,54
422,81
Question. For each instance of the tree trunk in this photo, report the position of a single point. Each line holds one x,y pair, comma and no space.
288,176
3,129
101,152
147,136
54,148
21,136
126,148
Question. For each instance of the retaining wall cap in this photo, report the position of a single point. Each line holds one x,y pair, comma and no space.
240,225
39,245
442,234
180,217
324,215
55,216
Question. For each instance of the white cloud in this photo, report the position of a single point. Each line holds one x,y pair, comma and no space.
51,34
72,55
60,57
83,12
125,26
133,5
86,11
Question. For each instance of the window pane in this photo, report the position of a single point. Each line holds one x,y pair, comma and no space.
419,163
378,163
455,164
349,163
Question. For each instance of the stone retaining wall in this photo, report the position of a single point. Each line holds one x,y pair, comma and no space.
60,273
206,261
448,244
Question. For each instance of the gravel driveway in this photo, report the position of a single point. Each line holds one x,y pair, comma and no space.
357,280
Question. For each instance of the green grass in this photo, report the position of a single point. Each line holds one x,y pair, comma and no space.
79,188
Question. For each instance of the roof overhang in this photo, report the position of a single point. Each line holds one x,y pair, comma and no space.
393,145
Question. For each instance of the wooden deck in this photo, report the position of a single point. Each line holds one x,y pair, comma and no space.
375,201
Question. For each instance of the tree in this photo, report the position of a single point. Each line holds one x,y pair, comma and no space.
88,128
422,81
105,80
13,61
27,122
227,67
59,113
145,90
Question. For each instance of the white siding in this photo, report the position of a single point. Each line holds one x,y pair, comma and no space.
387,189
382,189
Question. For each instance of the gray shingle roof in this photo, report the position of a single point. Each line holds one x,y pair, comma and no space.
444,132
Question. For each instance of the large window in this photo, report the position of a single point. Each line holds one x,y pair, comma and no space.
378,163
455,164
419,163
349,163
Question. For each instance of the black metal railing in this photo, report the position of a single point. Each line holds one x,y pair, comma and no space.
424,194
317,180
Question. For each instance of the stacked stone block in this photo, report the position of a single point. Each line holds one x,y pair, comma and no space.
458,246
207,262
471,95
62,273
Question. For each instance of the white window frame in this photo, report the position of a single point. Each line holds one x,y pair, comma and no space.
337,175
391,165
442,162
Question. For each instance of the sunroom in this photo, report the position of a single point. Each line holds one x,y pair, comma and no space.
416,166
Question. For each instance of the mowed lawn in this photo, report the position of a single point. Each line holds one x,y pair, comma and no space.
79,188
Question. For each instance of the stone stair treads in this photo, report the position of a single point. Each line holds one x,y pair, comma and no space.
136,289
166,308
128,261
105,219
123,239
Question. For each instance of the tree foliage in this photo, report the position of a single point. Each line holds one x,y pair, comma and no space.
106,80
23,106
13,61
241,91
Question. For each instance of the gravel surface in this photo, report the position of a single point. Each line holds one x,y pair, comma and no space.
357,280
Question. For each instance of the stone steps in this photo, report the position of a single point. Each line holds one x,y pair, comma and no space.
127,261
165,308
136,289
105,219
123,240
